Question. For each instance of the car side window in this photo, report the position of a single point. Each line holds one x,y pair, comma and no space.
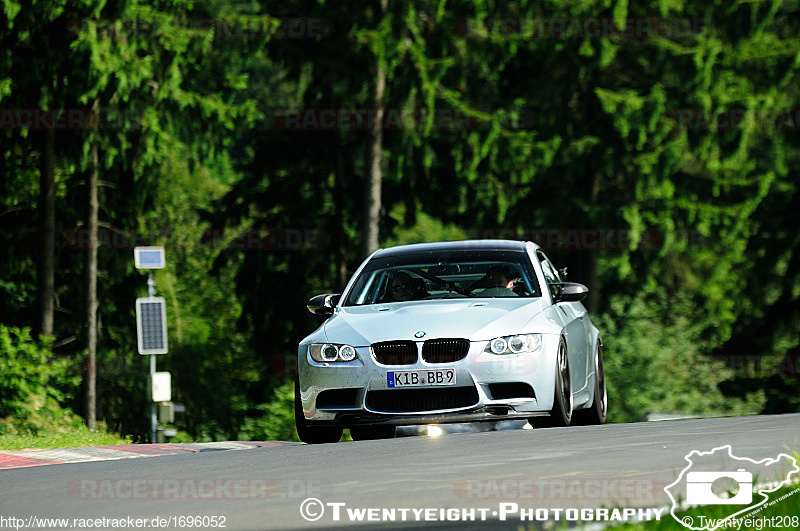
550,273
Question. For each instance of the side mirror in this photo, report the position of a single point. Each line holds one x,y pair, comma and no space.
570,292
323,304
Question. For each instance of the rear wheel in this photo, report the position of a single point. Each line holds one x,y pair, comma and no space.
561,414
368,433
312,434
596,413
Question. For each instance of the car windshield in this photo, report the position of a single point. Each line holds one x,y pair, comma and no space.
444,275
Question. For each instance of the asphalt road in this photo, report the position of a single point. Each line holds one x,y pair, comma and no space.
617,466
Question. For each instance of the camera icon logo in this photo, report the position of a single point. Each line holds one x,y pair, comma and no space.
699,488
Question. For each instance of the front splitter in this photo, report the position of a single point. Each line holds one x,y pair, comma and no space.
359,418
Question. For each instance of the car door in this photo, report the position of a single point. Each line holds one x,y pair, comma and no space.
574,315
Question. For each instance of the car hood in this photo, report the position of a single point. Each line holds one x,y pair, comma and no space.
476,320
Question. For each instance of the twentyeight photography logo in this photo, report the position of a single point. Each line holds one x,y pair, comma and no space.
719,478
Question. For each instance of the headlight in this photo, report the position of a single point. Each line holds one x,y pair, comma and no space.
347,353
498,345
514,344
329,352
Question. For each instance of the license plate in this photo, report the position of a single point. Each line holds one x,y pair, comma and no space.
420,378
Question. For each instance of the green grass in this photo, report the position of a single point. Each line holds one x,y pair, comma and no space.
73,437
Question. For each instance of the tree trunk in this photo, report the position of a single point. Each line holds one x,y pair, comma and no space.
592,281
372,191
47,227
91,289
338,226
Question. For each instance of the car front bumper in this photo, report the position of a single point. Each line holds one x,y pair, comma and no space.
488,387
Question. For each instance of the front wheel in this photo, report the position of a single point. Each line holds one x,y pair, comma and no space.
312,434
561,414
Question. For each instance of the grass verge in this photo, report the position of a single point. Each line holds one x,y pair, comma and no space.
72,437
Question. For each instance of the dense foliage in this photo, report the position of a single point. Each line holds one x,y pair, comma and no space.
33,384
674,147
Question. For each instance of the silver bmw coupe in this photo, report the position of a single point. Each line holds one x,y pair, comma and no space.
463,331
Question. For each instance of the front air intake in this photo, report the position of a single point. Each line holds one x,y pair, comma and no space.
504,391
444,350
395,352
421,400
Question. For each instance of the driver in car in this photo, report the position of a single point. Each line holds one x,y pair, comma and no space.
499,283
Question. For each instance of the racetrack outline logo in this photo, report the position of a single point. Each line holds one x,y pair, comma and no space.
699,488
744,480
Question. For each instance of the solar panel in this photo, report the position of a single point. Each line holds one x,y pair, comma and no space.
149,257
151,325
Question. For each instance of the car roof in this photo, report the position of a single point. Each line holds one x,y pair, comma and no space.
483,245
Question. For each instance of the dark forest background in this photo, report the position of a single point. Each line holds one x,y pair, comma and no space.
651,146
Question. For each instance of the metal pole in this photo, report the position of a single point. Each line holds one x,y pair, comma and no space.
151,292
153,418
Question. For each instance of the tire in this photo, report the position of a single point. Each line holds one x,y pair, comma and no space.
561,414
312,434
369,433
596,413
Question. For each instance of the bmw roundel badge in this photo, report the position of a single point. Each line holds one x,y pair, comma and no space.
419,334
